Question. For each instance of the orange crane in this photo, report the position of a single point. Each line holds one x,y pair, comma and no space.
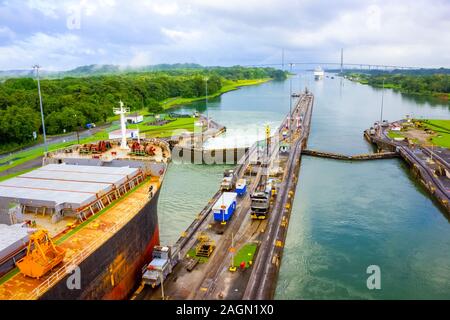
42,255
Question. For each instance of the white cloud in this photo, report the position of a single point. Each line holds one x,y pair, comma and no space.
179,36
225,32
6,33
164,8
48,8
140,58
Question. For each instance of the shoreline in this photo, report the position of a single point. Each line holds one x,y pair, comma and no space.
173,103
441,96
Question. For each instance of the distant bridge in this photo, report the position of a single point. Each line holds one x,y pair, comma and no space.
341,65
365,66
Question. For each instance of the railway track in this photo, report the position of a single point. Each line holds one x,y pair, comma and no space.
262,280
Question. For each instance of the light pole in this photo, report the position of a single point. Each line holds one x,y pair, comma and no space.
36,68
290,101
78,129
162,284
382,103
207,111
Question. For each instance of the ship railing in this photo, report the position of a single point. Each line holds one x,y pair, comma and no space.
79,257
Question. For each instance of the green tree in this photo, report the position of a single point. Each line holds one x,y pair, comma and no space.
69,119
17,124
154,106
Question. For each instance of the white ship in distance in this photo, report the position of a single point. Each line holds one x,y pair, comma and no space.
318,73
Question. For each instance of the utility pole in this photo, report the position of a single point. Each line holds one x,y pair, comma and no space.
207,111
232,246
290,101
36,68
162,284
382,103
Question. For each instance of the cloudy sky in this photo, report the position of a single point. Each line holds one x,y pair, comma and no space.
63,34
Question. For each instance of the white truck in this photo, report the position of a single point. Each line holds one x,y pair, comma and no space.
160,267
229,180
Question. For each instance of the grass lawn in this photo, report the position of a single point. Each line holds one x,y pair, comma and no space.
442,130
395,134
191,254
15,147
226,87
12,175
167,130
24,156
391,86
246,253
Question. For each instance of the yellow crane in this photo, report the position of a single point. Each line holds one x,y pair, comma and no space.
42,255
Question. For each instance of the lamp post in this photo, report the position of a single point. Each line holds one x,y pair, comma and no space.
290,101
162,284
78,127
206,96
36,68
382,103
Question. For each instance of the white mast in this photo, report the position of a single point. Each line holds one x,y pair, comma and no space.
121,110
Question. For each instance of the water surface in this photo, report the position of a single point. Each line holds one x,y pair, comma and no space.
346,216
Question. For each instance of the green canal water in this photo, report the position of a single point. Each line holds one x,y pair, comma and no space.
346,216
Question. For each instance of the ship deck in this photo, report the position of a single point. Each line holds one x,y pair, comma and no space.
160,155
79,241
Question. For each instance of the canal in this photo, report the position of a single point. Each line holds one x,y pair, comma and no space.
346,216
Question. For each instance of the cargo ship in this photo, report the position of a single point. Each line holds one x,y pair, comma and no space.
84,224
318,73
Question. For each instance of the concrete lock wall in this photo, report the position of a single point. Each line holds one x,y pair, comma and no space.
206,156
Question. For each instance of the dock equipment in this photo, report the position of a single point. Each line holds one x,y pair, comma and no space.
142,149
229,180
162,264
241,187
205,247
42,255
260,205
95,148
225,206
192,264
260,199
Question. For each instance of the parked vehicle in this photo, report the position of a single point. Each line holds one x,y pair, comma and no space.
224,207
241,187
160,267
229,180
260,200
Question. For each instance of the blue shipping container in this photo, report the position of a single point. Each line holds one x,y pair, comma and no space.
241,187
225,206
